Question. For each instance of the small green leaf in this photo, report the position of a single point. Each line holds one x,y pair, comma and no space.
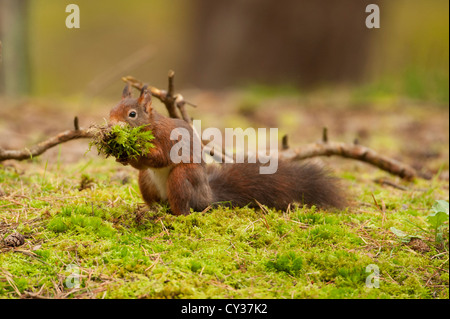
404,237
440,206
439,214
399,233
437,219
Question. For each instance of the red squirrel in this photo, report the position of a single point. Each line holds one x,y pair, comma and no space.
189,185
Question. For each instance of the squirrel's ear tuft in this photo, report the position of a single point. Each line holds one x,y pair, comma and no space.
145,99
126,91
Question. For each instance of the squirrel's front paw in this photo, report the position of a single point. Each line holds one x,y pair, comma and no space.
134,162
122,161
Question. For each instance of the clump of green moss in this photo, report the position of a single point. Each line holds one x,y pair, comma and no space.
289,263
122,141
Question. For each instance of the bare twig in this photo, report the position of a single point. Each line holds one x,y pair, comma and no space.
325,135
357,152
175,105
75,123
352,151
160,94
169,99
180,103
284,143
10,280
38,149
382,181
171,87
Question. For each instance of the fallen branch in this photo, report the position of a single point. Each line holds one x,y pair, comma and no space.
352,151
38,149
175,105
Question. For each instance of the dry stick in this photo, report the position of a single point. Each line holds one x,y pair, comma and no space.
180,102
382,181
38,149
175,100
326,148
284,143
75,123
325,135
169,100
353,151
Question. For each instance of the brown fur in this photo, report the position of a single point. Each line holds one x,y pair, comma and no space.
241,184
187,185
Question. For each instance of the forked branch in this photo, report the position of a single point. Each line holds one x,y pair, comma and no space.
175,105
171,100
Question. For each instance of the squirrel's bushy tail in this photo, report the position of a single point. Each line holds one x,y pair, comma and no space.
240,184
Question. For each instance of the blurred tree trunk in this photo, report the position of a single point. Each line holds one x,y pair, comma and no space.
15,60
303,42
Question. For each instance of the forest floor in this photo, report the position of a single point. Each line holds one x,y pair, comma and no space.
84,220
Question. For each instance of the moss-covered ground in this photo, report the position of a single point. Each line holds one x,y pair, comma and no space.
84,222
124,250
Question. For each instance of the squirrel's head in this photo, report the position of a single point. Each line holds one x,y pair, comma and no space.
135,112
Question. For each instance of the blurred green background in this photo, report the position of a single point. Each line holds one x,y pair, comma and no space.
301,44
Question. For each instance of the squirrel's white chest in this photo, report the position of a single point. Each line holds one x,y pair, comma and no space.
159,177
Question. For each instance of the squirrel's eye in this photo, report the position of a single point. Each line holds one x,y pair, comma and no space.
132,114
